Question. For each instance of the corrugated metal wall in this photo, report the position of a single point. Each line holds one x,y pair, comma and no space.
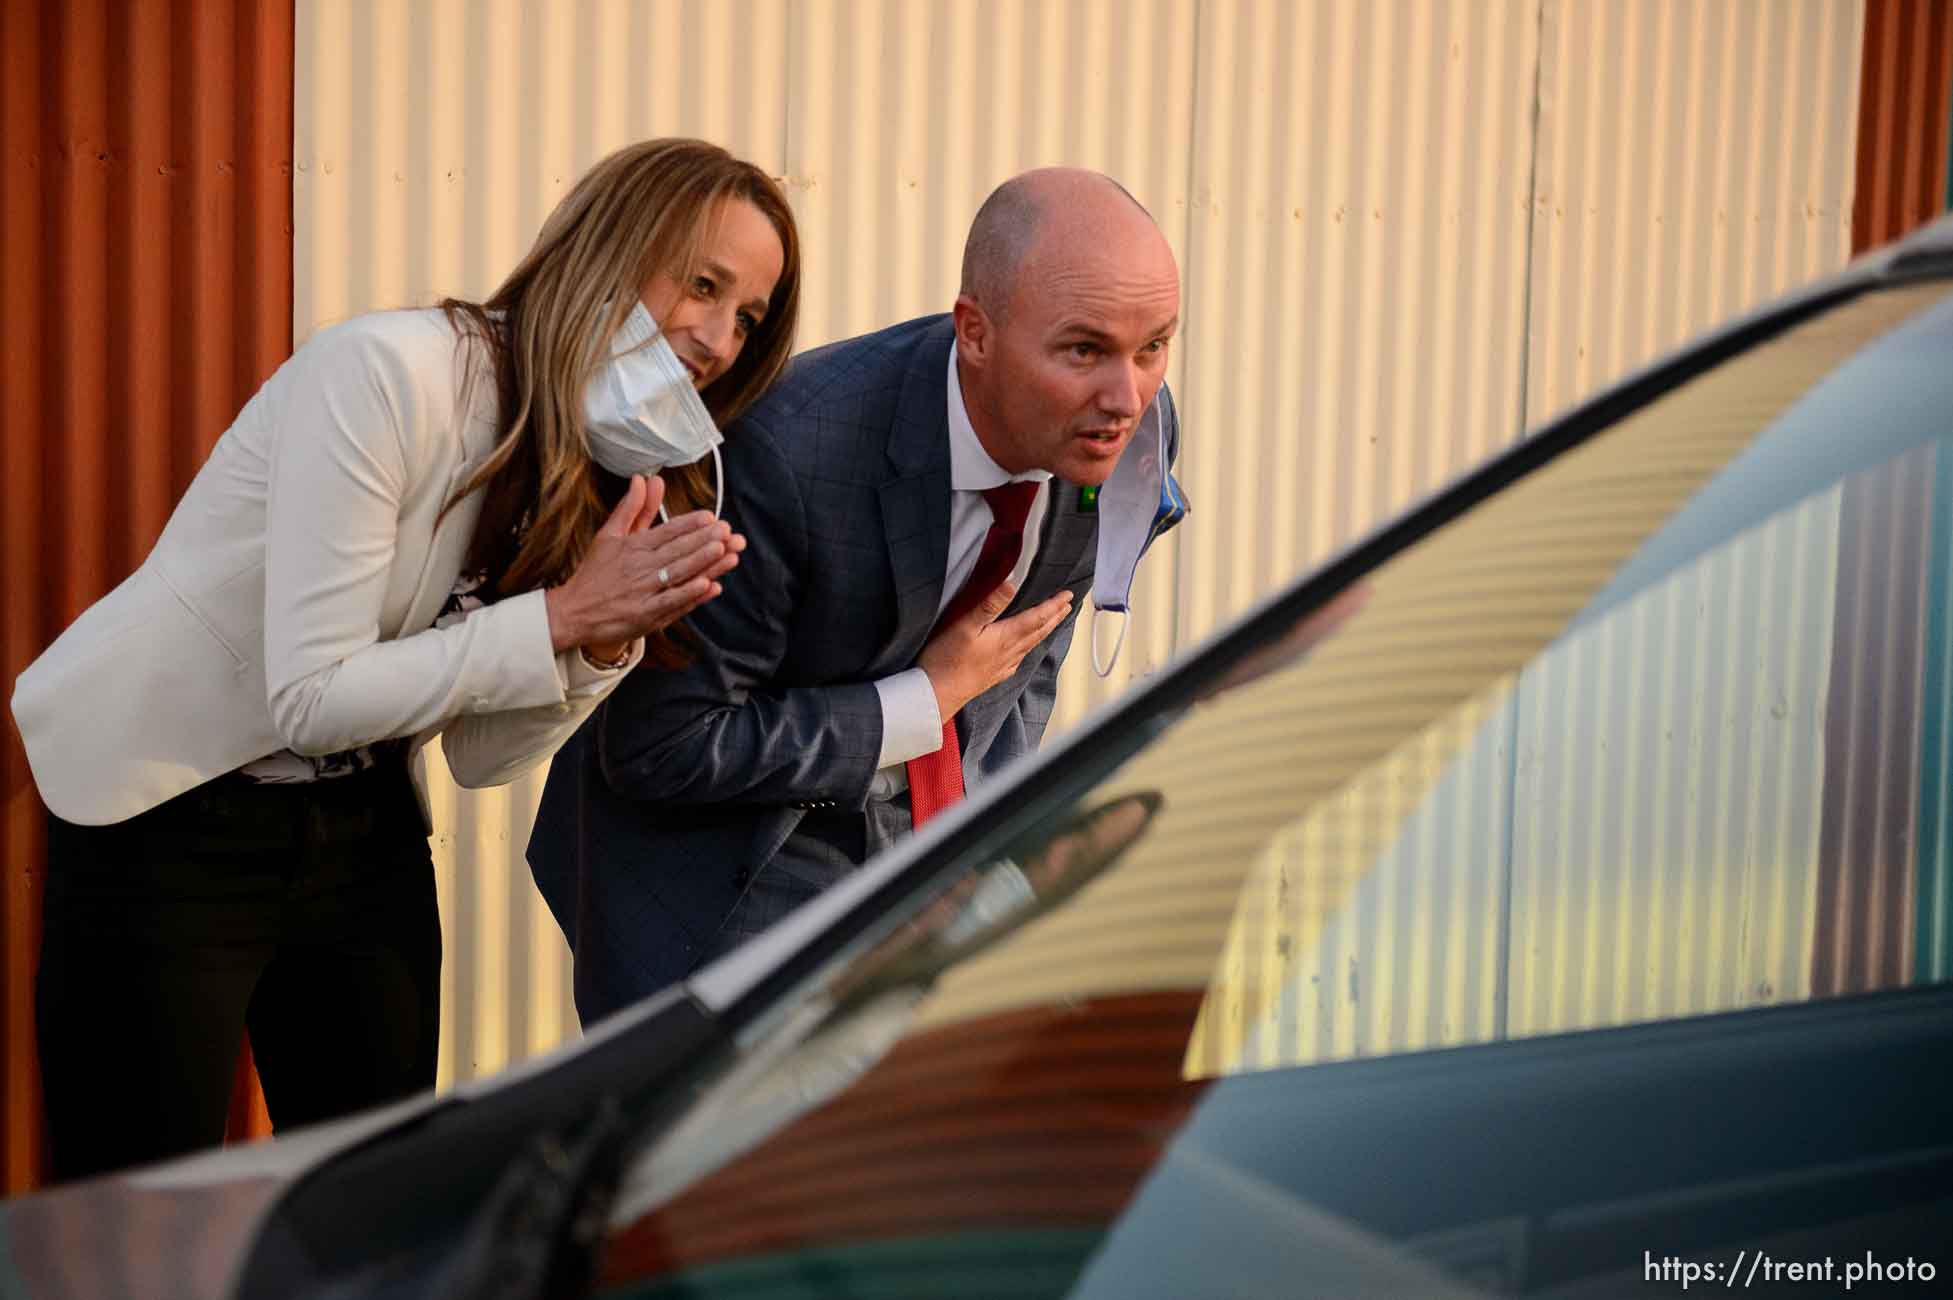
1902,162
1356,278
1694,159
145,276
1405,228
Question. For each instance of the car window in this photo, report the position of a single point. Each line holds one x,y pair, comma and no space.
1511,797
1657,731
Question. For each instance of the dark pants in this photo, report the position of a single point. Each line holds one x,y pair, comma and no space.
303,912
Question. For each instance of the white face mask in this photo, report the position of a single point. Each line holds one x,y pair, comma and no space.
1138,503
641,412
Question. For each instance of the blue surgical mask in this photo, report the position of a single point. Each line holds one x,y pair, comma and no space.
641,411
1139,502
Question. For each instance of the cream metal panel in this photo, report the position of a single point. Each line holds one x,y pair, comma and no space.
433,137
505,977
905,115
1357,280
1695,159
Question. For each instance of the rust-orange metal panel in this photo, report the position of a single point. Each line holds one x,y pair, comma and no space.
1902,118
145,292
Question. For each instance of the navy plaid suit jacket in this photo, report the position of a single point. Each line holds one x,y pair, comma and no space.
763,749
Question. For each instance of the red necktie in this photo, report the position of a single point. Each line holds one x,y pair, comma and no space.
936,780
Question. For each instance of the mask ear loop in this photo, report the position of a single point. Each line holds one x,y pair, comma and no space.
719,498
1099,665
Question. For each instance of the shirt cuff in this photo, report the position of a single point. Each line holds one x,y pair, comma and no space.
911,725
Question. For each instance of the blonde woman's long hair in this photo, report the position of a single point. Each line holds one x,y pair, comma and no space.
642,211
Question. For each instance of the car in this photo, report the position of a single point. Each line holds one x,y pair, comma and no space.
1550,895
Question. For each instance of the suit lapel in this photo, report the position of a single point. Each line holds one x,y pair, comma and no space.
915,498
915,519
1065,534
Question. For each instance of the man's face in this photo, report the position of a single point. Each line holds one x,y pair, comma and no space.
1060,383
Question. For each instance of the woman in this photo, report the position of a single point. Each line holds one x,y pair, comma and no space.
426,523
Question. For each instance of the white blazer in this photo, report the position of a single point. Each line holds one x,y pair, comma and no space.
290,602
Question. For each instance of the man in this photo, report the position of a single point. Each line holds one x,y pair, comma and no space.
867,663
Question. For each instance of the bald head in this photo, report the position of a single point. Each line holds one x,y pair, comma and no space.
1029,214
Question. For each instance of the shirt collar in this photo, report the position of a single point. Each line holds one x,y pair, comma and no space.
970,466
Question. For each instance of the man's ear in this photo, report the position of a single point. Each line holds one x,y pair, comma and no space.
974,336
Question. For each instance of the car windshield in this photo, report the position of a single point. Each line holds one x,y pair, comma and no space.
1658,730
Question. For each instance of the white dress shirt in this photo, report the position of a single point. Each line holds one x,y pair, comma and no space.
911,724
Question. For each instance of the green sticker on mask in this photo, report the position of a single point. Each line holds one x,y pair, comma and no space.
1088,500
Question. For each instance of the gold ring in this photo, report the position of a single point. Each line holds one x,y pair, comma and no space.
664,576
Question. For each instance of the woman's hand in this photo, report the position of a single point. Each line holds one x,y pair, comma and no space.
617,595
